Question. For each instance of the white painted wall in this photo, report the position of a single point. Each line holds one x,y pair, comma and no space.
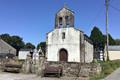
71,43
35,55
23,55
88,52
114,55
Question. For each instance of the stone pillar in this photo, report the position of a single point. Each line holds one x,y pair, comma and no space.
40,66
82,48
41,63
28,64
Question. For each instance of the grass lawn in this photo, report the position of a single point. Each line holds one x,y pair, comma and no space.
107,68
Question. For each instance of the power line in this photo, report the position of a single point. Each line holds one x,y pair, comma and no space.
96,17
98,14
117,9
109,0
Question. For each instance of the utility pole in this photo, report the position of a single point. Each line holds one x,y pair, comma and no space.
107,36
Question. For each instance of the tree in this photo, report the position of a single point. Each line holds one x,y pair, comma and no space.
117,42
111,40
6,38
29,46
42,45
97,38
14,41
17,42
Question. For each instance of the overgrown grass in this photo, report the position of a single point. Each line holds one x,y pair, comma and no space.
107,68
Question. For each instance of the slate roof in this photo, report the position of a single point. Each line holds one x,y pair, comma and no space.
5,43
26,49
65,7
4,55
114,48
88,39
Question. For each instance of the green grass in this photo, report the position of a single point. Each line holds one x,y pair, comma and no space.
107,68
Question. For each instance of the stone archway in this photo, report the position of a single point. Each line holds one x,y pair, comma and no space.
63,55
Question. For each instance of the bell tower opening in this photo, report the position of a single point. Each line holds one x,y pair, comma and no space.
64,18
63,35
67,21
60,22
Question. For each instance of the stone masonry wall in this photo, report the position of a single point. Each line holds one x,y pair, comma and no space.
70,69
73,69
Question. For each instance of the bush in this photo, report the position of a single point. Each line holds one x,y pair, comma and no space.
107,68
94,61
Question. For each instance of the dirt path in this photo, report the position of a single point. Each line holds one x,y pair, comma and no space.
20,76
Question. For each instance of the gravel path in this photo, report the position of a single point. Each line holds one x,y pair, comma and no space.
20,76
114,76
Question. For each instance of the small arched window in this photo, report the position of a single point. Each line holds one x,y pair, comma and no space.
67,20
60,20
63,35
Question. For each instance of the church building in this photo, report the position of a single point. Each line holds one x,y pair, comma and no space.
66,43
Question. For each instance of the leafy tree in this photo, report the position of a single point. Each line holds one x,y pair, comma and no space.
111,40
117,41
97,38
29,46
42,45
6,38
14,41
17,42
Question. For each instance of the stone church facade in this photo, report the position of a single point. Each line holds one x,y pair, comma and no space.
65,42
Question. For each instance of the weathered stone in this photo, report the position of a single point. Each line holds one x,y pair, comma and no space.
27,66
6,48
77,69
41,64
84,72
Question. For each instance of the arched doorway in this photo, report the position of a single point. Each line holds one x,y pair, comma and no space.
63,55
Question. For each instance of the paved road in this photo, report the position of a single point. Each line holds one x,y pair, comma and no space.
20,76
114,76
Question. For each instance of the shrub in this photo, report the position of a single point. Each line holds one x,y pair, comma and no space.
107,68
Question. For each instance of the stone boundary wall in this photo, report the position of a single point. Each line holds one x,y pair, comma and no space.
74,69
70,69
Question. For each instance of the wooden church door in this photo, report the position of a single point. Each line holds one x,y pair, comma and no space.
63,55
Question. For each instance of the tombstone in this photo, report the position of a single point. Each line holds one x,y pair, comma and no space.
28,64
35,61
41,63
